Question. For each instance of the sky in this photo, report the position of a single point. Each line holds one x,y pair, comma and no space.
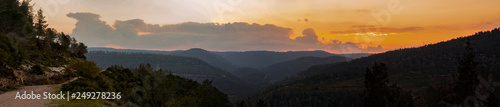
337,26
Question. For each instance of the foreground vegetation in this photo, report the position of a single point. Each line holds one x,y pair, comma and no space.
31,53
144,86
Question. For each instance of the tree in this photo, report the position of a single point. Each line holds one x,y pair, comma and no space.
8,57
41,23
84,68
241,103
50,35
27,10
79,49
376,86
378,93
8,4
261,103
467,74
10,17
64,40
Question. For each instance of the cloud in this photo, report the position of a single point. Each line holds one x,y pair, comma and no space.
228,36
366,29
309,36
363,11
310,39
90,28
350,47
135,33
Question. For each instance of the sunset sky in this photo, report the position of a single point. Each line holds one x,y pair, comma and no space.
337,26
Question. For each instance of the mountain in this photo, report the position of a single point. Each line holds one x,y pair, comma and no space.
206,56
253,76
210,58
355,55
187,67
411,68
262,59
290,68
232,60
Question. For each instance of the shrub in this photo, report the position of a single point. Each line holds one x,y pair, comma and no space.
84,68
37,69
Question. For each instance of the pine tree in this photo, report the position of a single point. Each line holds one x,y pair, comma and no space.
64,40
376,86
41,23
27,10
467,74
378,93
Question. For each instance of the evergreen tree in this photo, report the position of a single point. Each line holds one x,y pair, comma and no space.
378,93
64,40
50,35
467,74
41,23
241,104
8,4
27,10
376,86
261,103
11,18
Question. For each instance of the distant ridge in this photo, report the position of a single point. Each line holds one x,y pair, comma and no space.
262,59
212,59
232,60
291,68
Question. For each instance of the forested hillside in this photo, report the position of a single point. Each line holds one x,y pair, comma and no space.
252,76
232,60
187,67
262,59
143,86
209,57
290,68
31,52
410,68
291,62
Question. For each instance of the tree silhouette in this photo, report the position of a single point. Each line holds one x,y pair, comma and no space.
41,23
378,93
467,74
